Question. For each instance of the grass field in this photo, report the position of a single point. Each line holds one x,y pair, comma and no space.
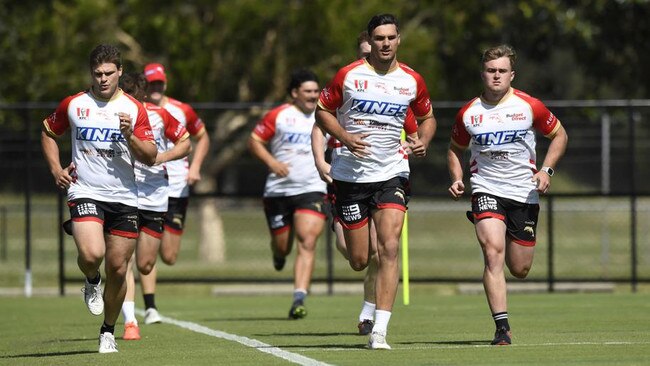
439,327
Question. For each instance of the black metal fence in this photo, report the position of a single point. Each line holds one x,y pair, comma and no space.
600,188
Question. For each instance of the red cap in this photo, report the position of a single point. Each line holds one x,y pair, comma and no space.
155,72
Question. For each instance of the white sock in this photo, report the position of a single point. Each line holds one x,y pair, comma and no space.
128,311
382,317
367,311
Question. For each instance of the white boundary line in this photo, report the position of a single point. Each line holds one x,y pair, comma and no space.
248,342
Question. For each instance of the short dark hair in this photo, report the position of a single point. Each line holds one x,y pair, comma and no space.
299,76
499,51
382,19
363,37
135,84
105,53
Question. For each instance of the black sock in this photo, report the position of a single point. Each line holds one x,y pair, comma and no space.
501,320
149,301
95,280
107,328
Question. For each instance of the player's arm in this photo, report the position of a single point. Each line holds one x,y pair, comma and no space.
144,151
62,176
318,150
354,142
556,149
181,149
200,152
258,148
419,142
455,166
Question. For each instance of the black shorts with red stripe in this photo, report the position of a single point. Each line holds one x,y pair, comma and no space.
520,218
116,218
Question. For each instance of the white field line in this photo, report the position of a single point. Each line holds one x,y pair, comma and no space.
248,342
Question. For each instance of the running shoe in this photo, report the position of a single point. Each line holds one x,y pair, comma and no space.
93,297
365,326
151,316
502,337
107,343
298,310
377,340
278,262
131,331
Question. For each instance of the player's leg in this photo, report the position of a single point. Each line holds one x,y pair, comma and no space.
173,229
149,244
131,329
279,219
367,314
308,225
522,227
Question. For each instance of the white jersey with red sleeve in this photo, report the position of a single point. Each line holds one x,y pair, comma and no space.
152,181
104,165
366,101
502,142
178,169
287,130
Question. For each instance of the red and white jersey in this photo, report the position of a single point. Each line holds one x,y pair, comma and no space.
287,130
365,101
104,165
502,141
178,169
152,181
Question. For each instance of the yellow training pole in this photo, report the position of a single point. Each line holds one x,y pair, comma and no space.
405,252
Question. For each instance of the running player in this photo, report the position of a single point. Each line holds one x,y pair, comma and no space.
365,108
499,128
182,174
152,192
294,193
109,129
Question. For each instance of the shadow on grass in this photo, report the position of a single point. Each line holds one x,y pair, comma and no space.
322,346
281,318
303,334
47,354
481,342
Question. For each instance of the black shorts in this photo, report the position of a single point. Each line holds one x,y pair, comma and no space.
279,210
355,200
151,222
520,218
175,216
116,218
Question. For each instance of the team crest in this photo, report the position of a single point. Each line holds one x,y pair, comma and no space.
476,120
361,85
83,113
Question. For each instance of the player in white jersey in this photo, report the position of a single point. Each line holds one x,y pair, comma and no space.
499,128
294,193
365,108
182,174
109,130
152,183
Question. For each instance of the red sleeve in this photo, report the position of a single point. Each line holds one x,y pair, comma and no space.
410,123
57,122
543,120
459,134
421,105
331,97
265,128
173,129
194,124
142,127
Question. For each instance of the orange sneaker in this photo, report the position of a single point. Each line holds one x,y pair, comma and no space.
131,332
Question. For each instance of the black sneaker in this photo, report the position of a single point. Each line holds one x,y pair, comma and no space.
67,227
365,326
502,337
278,262
298,310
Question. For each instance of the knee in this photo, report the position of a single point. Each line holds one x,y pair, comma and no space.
520,272
358,264
169,258
145,268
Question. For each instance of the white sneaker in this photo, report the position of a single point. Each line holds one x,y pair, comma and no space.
377,340
93,297
151,316
107,343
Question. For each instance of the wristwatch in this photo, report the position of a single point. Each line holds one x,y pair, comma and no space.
548,170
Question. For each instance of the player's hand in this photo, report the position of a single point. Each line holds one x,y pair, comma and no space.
415,146
542,181
193,176
356,145
125,125
279,168
457,189
324,171
66,176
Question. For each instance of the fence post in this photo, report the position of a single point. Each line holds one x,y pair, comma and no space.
3,240
330,256
551,244
633,200
61,246
28,205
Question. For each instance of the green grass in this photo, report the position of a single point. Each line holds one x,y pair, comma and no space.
440,327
